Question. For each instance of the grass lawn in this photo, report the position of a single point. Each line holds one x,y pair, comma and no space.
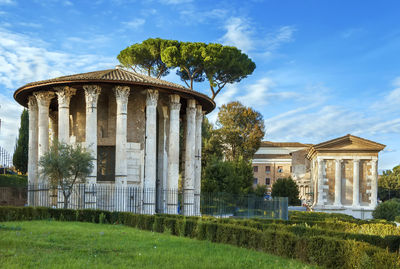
54,244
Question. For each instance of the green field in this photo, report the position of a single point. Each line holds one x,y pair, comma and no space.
55,244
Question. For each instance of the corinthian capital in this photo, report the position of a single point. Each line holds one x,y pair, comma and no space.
152,97
122,93
64,94
91,95
43,98
174,103
32,103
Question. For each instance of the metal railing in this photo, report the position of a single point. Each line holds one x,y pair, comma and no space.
148,201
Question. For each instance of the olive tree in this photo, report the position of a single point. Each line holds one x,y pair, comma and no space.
64,165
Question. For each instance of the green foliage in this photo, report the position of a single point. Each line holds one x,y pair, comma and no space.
13,181
234,177
64,165
387,210
240,130
286,187
260,190
195,61
225,64
390,181
311,246
146,56
187,56
20,157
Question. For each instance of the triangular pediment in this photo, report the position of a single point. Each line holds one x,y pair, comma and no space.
349,143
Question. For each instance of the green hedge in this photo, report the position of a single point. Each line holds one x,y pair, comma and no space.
320,250
13,181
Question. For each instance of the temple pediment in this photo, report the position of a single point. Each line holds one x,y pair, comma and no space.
347,143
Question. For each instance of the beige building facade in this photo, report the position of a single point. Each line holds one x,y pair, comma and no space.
273,161
339,175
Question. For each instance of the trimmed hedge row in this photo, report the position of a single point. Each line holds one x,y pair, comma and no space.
320,250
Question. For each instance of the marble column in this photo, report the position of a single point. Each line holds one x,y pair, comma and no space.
173,155
374,184
122,95
190,146
197,180
32,148
356,183
338,183
53,117
64,95
320,199
91,97
150,153
43,101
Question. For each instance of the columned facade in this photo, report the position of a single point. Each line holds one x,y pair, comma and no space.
131,125
345,176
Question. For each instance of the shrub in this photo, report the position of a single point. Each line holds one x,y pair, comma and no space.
387,210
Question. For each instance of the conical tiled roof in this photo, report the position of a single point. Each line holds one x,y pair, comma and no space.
112,76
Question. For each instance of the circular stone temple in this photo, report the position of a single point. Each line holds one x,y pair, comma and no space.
131,124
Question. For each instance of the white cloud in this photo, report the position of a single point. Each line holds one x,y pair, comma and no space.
135,23
283,35
7,2
238,34
242,34
175,2
24,59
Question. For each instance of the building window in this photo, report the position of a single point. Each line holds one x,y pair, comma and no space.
267,169
255,169
280,169
291,169
255,181
267,181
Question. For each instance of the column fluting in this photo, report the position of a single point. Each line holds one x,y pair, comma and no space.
173,154
198,138
356,183
32,147
374,184
338,182
92,93
150,152
190,146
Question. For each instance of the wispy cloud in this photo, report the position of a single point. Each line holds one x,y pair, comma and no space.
24,59
238,34
135,23
8,2
175,2
242,33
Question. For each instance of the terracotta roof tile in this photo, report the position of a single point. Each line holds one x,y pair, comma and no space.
283,144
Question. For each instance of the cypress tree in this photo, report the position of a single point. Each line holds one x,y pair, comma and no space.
20,157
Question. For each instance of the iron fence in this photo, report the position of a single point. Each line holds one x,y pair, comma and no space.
147,201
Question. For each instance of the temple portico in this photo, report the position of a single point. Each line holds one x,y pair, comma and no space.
344,175
131,124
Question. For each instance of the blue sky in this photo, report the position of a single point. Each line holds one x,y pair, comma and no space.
324,68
